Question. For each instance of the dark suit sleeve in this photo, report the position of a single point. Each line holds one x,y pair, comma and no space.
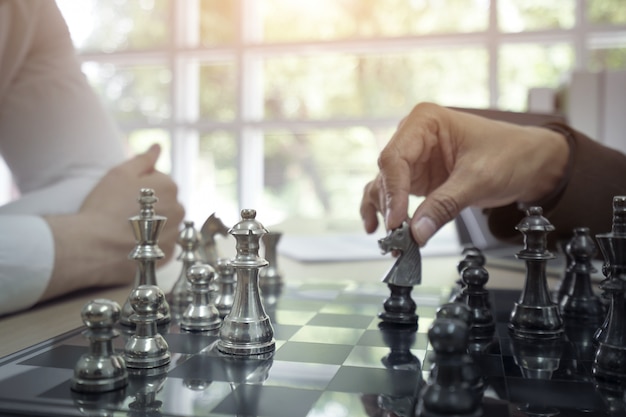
594,176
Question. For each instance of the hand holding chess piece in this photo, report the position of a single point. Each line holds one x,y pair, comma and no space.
405,273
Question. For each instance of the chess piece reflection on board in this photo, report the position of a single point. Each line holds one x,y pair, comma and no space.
405,273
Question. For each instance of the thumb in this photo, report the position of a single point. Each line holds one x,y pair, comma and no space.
144,163
438,208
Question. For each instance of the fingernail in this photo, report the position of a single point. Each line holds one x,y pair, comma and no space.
424,229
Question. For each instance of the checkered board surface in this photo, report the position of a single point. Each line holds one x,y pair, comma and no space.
331,359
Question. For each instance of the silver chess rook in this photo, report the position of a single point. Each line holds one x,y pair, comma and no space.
147,226
247,330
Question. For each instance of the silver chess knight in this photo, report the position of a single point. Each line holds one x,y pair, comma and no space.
147,227
403,275
247,330
207,249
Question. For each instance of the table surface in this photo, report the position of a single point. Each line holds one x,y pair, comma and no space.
56,317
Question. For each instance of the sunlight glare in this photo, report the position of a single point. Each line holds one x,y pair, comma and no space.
79,18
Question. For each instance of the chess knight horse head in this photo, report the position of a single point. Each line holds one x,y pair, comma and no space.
407,270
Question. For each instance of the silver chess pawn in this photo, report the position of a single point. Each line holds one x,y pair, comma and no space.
146,348
200,314
188,240
270,275
147,227
226,284
100,370
247,330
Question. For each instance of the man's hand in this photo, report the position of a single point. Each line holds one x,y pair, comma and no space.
92,246
457,160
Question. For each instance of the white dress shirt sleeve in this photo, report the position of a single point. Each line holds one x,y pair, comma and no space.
55,137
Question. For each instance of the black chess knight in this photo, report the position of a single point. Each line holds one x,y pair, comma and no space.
405,273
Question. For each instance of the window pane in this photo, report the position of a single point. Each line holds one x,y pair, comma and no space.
288,20
373,85
524,66
606,11
107,26
216,176
132,93
320,174
608,59
527,15
218,91
218,22
140,140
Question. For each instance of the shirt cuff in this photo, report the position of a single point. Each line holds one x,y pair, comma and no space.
26,261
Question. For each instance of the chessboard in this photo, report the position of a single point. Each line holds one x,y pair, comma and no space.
334,357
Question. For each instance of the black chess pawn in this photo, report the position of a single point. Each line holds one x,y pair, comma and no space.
476,296
247,329
460,311
566,280
455,310
405,273
579,301
535,316
449,392
225,282
200,314
101,369
188,240
146,348
610,360
147,227
271,275
400,340
471,256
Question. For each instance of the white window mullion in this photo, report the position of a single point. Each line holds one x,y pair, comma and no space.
250,140
185,107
